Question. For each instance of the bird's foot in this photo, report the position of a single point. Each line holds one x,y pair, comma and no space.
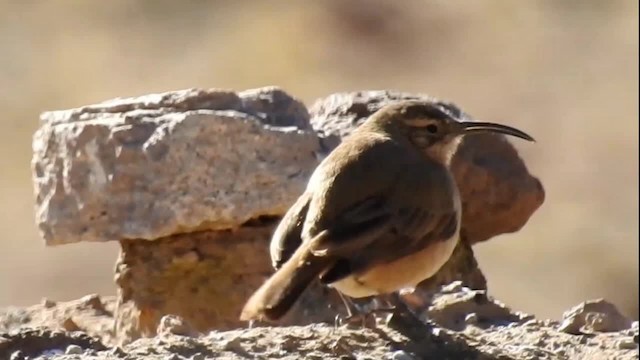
359,320
366,319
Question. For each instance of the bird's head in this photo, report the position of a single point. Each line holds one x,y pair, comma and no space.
432,127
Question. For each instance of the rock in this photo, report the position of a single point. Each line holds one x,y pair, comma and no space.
592,317
162,164
92,301
69,325
401,355
18,355
73,349
455,306
626,344
209,289
172,324
498,192
520,339
71,315
47,303
31,343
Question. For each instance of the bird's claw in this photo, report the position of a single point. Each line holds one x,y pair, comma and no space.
366,320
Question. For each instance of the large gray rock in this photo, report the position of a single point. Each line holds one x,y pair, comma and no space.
169,163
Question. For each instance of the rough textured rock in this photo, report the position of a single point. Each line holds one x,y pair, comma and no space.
498,192
90,314
466,324
162,164
594,316
205,278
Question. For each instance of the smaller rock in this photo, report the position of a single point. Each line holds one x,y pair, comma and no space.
592,317
401,355
176,325
232,344
17,355
117,351
453,287
471,319
626,344
69,325
73,350
92,301
197,356
453,307
47,303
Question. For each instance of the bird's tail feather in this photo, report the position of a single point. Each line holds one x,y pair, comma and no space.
280,292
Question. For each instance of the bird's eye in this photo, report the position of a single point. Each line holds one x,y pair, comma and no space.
432,128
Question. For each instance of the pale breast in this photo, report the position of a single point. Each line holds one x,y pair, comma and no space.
403,273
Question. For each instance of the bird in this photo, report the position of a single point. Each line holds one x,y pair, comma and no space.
379,214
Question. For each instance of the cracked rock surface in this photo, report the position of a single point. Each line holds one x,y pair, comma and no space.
163,164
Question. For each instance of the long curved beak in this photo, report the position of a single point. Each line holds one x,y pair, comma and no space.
477,126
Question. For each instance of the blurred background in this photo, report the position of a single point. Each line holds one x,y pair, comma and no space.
565,71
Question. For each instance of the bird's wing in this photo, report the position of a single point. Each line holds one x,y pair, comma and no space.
357,211
286,238
390,204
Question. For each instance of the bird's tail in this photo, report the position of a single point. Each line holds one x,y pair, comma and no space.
280,292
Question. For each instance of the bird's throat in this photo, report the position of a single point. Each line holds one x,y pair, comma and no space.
442,152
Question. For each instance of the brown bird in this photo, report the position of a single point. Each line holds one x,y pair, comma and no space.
380,213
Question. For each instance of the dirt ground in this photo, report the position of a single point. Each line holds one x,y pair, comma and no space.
82,329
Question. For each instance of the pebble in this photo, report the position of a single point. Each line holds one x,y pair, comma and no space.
117,351
626,344
73,349
17,355
401,355
197,356
92,301
471,319
47,303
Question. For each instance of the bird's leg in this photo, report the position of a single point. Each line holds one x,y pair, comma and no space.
347,305
355,314
397,303
384,303
402,309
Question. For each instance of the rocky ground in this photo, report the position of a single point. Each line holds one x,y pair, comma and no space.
468,325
